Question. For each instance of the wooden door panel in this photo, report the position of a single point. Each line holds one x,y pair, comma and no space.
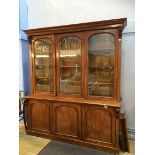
98,125
107,125
67,120
39,115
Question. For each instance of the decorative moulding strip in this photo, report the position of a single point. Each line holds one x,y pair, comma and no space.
115,23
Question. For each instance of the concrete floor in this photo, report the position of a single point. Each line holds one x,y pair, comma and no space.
31,145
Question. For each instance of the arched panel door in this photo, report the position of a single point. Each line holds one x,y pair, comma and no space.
69,62
99,125
67,120
101,65
43,65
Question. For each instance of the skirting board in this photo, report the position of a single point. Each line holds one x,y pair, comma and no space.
131,133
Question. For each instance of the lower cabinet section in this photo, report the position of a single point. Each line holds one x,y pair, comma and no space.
83,124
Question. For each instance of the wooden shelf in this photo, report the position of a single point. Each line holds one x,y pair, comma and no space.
44,77
101,49
69,81
109,52
106,82
70,66
42,57
43,65
42,84
101,66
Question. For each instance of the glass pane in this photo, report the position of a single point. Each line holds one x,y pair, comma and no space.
43,65
70,65
101,54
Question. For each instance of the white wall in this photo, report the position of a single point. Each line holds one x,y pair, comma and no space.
43,13
128,79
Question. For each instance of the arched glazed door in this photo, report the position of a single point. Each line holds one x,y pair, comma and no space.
101,64
69,62
43,65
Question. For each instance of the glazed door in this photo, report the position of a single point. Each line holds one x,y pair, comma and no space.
67,120
99,125
70,64
101,66
43,65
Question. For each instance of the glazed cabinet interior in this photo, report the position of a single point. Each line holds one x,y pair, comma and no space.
75,83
